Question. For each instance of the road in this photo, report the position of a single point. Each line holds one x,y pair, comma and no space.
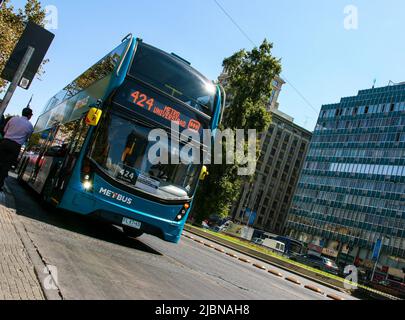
97,261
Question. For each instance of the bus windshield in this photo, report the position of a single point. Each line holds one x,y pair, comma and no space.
121,150
174,77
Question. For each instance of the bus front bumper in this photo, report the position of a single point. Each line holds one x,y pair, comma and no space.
169,232
114,213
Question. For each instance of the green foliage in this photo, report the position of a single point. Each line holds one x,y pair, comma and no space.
248,84
12,26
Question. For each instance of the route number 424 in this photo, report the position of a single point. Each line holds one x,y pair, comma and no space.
142,100
127,174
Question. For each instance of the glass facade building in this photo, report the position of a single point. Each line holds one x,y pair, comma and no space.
351,191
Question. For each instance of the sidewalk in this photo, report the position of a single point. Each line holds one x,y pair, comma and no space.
18,280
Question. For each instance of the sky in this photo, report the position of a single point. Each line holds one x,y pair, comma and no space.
326,52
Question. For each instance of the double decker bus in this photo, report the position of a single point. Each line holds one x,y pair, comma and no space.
89,150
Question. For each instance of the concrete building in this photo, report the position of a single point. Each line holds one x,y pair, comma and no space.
267,199
351,193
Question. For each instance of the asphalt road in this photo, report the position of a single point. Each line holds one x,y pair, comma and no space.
97,261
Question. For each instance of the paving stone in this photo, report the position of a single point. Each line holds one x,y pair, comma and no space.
17,277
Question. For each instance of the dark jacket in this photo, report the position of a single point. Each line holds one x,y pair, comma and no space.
3,122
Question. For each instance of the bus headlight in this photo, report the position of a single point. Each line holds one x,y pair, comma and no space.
87,182
87,185
87,176
183,212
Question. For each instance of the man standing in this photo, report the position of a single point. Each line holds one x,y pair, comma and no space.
16,132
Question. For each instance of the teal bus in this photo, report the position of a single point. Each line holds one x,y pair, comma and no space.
89,150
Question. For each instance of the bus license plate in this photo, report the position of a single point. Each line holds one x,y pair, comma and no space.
131,223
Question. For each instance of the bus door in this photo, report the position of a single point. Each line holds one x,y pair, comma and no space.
75,134
42,165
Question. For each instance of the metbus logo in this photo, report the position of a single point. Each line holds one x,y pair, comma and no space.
115,196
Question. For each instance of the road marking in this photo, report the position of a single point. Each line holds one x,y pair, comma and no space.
199,241
259,266
312,288
293,280
232,255
220,250
274,272
208,245
333,297
245,260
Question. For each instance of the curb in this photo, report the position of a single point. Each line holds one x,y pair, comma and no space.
213,239
333,297
41,269
314,289
293,280
271,271
259,266
245,260
275,273
209,245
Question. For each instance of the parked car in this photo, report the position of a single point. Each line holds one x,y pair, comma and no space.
258,241
318,262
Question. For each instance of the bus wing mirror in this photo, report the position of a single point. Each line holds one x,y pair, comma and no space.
204,173
93,116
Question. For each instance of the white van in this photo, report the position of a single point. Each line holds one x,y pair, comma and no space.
274,245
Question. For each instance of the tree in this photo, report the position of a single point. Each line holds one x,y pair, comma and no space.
248,84
12,25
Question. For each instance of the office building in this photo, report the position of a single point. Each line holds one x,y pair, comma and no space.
351,192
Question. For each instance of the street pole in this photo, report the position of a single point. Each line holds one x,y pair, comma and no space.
16,79
378,258
250,214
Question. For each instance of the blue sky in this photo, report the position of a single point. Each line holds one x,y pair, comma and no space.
320,58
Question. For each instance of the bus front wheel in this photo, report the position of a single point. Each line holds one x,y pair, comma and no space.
132,233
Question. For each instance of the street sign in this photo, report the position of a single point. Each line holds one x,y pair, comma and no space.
330,252
377,249
315,248
39,39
